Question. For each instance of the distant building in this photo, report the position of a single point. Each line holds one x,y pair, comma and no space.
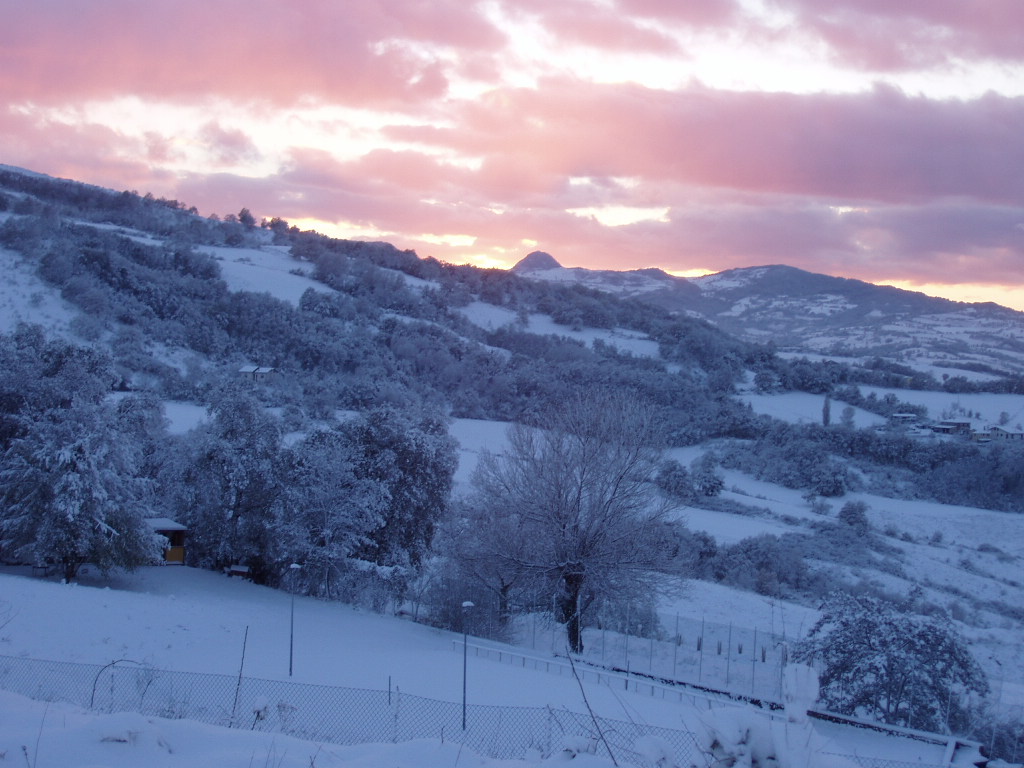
953,427
1001,433
257,372
903,418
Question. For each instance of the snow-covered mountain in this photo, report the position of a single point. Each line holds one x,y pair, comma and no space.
634,283
806,313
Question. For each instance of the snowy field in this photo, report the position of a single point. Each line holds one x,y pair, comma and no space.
805,408
957,549
63,736
27,299
490,317
265,270
176,618
989,405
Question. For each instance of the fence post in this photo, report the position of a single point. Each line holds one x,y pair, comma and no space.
753,662
700,647
675,647
728,655
626,635
394,719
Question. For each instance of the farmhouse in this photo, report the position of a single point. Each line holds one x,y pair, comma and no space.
1001,433
953,427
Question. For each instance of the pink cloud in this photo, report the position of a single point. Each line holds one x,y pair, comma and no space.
698,13
747,177
596,25
228,145
881,146
962,241
717,229
251,50
85,152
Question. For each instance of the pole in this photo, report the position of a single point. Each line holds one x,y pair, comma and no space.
753,662
728,654
700,664
675,648
291,638
465,657
291,625
465,654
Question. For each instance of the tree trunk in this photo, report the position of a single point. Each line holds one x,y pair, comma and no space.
504,605
568,606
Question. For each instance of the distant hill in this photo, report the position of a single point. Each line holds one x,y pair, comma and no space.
807,313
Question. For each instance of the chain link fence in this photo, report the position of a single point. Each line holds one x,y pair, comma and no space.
351,715
744,662
334,714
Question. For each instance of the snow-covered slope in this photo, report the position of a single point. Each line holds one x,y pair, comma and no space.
805,313
176,618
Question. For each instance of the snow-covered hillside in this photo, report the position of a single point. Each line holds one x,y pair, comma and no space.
396,337
176,618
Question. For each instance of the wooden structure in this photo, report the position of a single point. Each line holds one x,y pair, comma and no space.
174,532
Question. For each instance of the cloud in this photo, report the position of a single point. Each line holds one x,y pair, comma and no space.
694,13
88,152
597,25
228,146
873,184
882,35
880,146
379,53
958,240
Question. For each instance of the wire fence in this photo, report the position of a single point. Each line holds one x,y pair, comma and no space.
351,716
742,661
339,715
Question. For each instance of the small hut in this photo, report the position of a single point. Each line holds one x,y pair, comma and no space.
174,532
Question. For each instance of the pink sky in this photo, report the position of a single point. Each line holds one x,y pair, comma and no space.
866,138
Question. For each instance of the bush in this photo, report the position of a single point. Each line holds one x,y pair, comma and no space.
854,515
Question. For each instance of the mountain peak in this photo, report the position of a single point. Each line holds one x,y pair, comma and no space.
536,262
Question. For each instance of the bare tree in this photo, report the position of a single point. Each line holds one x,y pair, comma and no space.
572,504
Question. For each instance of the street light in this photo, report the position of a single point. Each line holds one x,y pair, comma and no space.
292,569
465,646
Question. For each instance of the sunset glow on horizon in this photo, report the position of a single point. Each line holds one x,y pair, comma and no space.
879,141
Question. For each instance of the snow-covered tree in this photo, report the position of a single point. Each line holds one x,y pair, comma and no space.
706,478
879,662
229,486
71,494
412,459
326,512
673,479
577,504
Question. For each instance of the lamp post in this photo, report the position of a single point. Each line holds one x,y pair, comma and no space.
466,606
292,569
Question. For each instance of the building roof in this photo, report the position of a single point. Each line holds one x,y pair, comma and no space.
164,524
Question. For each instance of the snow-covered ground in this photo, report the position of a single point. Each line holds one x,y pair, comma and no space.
490,317
269,269
27,299
182,619
990,406
805,408
177,618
